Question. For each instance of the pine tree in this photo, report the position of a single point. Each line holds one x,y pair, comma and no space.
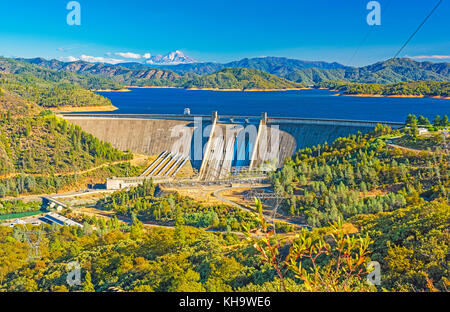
87,285
180,233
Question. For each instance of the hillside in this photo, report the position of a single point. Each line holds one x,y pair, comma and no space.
414,88
15,105
34,149
50,72
136,75
48,88
390,71
242,79
280,66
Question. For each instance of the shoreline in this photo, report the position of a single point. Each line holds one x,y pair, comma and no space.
128,89
245,90
111,90
75,109
215,89
398,96
153,87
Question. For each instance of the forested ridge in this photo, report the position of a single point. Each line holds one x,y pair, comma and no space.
37,152
306,72
49,88
414,88
241,78
359,174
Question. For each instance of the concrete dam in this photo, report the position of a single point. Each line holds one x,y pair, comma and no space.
215,145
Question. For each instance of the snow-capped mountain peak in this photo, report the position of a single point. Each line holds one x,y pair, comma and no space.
171,58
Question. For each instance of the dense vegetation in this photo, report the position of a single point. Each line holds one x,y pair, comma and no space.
241,78
43,154
23,82
411,245
20,67
142,203
47,144
359,174
49,94
414,88
394,203
22,184
18,206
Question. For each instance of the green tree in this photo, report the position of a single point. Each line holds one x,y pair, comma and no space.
180,232
87,284
437,121
423,121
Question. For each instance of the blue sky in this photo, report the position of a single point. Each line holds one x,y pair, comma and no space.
224,30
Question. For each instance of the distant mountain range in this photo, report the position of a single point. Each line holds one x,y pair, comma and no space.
304,72
390,71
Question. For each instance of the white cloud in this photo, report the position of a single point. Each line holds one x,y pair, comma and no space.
99,59
437,57
147,55
69,59
129,55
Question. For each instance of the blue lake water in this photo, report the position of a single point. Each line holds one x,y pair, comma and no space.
310,103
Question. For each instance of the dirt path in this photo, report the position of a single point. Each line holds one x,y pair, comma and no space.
136,159
408,149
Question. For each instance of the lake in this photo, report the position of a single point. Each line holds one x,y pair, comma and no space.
311,103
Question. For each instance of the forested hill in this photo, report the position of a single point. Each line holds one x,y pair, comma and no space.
40,153
135,76
10,66
25,85
280,66
414,88
241,78
142,75
390,71
15,105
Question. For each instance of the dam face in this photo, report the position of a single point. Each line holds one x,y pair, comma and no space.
215,145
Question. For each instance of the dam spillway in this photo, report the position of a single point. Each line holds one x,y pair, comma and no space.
215,145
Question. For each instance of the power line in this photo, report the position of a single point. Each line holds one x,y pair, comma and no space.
418,28
367,36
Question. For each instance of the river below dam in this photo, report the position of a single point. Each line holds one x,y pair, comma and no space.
310,103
